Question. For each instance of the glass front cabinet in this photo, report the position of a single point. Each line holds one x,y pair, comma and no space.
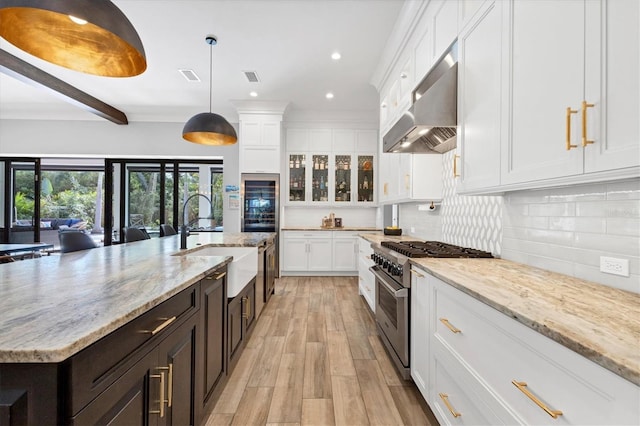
323,178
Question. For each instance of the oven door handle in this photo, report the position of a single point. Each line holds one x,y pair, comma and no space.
401,293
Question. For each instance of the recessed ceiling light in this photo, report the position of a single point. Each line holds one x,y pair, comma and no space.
253,94
336,55
329,95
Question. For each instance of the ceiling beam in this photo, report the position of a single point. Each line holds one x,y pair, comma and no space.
27,73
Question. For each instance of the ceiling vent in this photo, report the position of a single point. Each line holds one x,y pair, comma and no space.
190,76
252,76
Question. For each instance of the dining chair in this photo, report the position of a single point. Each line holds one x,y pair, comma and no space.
166,229
75,241
135,234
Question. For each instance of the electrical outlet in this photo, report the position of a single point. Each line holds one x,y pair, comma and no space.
413,230
611,265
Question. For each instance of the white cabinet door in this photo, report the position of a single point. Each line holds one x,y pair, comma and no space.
297,140
295,254
345,254
366,141
343,140
271,134
320,254
547,62
260,159
466,11
420,331
481,90
445,25
420,177
612,74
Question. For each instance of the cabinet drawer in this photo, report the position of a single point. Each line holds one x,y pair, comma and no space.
503,351
307,234
93,369
457,397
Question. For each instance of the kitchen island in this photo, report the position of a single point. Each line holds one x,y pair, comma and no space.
64,317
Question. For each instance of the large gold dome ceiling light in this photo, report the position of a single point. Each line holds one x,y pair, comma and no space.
208,128
90,36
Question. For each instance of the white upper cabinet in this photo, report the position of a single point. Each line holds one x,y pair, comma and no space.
259,143
574,92
547,63
410,177
612,84
445,25
466,12
481,100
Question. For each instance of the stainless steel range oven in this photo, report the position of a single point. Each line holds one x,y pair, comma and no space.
393,292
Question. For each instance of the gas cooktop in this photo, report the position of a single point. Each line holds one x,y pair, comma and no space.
433,249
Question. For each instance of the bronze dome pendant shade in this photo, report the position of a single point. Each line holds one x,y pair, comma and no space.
90,36
208,128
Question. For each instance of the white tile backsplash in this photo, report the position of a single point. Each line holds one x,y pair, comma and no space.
584,223
564,230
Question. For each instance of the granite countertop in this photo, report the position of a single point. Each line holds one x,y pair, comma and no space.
598,322
319,228
197,240
55,306
378,237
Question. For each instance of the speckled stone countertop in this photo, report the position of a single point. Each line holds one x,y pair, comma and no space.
55,306
197,240
319,228
598,322
379,236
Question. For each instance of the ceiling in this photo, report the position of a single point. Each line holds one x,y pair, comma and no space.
287,42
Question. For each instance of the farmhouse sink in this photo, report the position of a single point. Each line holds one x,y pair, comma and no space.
242,269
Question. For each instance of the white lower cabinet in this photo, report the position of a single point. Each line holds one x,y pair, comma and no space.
494,370
307,251
366,280
333,252
345,251
419,356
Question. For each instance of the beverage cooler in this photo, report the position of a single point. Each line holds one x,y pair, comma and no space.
260,205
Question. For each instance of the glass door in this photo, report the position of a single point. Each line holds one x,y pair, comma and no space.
320,178
297,177
260,208
24,206
365,178
342,178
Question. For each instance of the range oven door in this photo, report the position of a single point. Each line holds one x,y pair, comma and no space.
392,314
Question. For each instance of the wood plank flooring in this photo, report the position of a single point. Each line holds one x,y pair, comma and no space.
314,358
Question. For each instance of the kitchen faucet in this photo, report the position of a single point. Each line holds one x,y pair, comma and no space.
183,229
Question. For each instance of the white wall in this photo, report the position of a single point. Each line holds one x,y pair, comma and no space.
564,230
100,139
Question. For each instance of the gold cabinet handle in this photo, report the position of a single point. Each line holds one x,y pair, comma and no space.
407,179
161,327
585,140
445,399
247,311
455,166
569,112
162,400
169,371
413,271
522,387
217,277
450,326
385,189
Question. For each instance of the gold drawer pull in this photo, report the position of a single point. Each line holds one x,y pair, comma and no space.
445,399
169,369
585,140
217,277
413,271
162,400
455,165
450,326
161,327
522,387
569,112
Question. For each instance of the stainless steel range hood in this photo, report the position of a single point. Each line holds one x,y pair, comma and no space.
429,126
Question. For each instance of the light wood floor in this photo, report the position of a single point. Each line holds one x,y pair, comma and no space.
314,358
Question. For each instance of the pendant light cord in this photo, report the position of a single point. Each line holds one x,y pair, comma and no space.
210,76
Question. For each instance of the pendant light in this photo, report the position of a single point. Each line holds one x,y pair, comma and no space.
208,128
90,36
